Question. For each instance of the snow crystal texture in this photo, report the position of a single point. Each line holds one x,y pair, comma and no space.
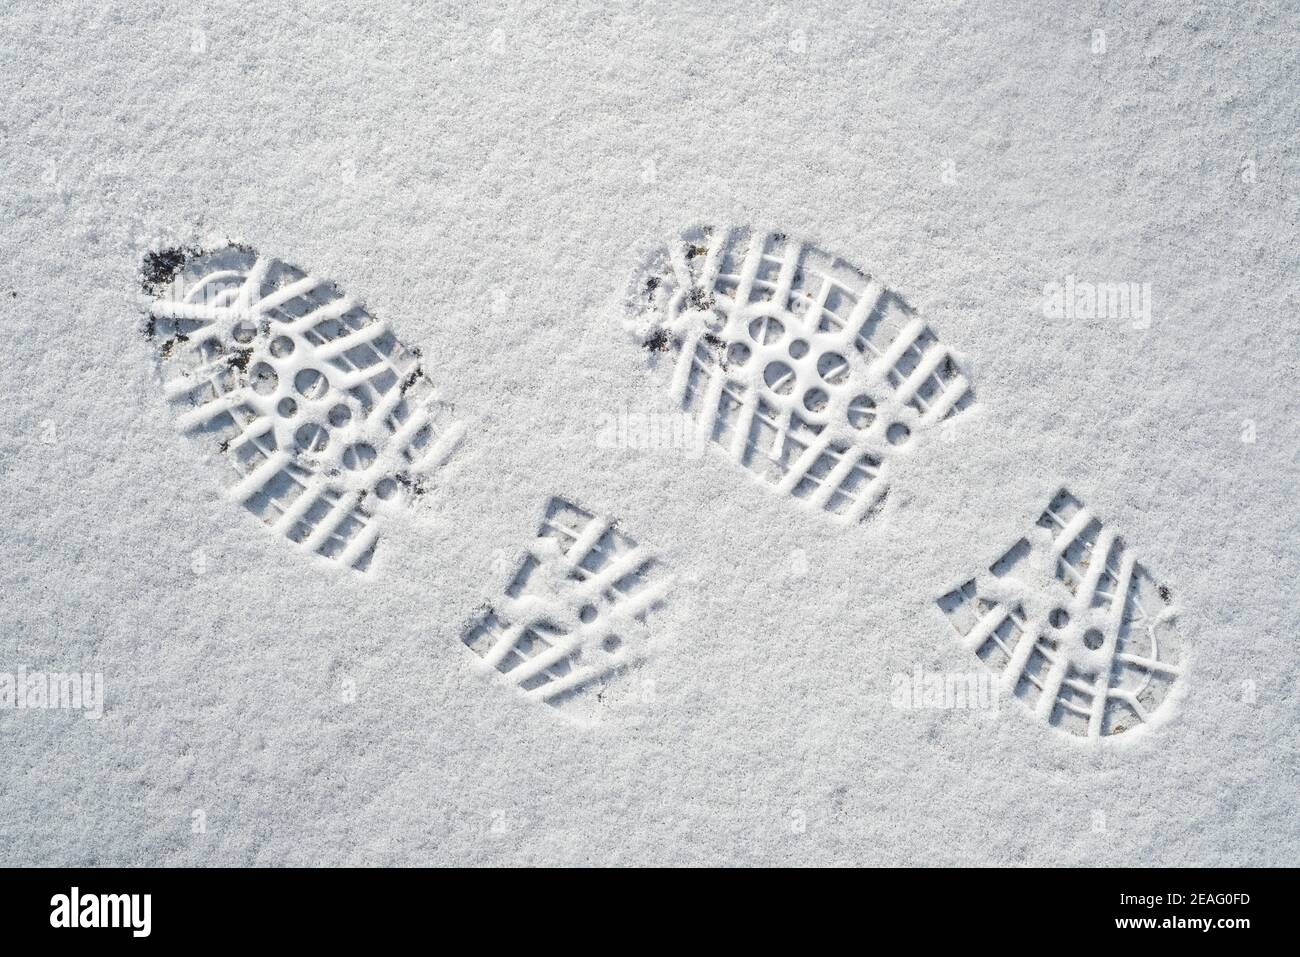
428,427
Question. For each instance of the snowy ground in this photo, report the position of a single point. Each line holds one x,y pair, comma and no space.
488,181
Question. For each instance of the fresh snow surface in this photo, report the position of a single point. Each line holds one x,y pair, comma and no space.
715,434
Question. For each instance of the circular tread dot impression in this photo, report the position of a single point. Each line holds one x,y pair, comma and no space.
814,400
766,330
861,412
310,383
779,378
359,456
340,415
263,379
311,437
832,367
